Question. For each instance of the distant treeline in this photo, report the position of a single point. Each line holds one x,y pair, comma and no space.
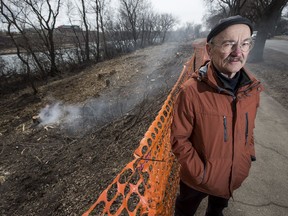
102,32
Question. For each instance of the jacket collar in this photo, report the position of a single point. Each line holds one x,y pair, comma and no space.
207,74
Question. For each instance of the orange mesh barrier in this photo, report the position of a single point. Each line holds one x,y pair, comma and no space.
148,185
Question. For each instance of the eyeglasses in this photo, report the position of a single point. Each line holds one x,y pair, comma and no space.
230,46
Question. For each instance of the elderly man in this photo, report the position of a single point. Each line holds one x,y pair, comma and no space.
213,121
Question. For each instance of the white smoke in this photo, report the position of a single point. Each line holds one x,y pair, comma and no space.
58,113
81,118
95,113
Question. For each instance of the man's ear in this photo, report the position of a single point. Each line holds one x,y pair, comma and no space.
208,49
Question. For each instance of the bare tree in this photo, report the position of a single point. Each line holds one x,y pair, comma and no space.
268,14
153,28
219,9
74,36
234,6
103,13
167,21
85,22
147,24
97,11
100,9
14,15
46,16
24,60
129,11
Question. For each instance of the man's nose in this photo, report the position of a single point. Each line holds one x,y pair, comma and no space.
237,49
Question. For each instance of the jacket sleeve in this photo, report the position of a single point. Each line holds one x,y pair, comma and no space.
181,130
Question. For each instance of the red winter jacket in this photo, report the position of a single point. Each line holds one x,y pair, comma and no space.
212,131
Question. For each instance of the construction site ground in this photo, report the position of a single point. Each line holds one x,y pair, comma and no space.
60,168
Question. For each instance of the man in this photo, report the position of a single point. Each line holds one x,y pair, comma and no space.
213,121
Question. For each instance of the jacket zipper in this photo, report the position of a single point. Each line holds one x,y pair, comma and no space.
246,128
225,128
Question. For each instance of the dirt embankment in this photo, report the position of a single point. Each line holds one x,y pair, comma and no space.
61,168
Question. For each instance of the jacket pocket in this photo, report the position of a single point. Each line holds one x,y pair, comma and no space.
225,128
217,173
246,128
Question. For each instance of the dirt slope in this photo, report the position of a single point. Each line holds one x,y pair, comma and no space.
62,167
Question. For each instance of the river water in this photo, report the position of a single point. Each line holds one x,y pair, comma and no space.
12,64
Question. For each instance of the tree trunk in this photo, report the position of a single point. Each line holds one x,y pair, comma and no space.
256,54
97,31
87,50
26,63
104,36
267,25
53,68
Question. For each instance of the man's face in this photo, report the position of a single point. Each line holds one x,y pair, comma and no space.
230,48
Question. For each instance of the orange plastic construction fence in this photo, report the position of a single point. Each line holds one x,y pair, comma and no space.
148,184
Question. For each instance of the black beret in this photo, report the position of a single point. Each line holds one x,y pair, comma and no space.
226,22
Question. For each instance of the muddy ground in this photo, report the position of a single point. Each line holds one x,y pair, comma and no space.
60,167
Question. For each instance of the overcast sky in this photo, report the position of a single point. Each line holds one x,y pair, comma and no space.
185,10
